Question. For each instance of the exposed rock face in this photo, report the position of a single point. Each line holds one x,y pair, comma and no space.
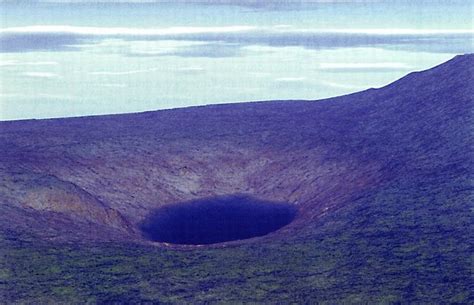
99,177
50,195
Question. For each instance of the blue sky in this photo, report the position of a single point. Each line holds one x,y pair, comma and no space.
73,58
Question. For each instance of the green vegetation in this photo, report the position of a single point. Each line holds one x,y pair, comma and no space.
398,244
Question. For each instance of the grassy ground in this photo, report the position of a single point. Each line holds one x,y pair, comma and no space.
408,242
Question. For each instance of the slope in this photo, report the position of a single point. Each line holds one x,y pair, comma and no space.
381,180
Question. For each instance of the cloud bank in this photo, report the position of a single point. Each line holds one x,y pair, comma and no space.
227,41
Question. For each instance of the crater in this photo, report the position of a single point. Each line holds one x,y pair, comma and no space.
216,220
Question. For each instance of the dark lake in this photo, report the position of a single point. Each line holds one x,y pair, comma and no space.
215,220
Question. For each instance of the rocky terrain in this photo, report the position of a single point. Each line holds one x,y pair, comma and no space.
381,181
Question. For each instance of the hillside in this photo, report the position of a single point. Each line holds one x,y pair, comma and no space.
381,180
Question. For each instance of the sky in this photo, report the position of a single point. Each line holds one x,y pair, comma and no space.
63,58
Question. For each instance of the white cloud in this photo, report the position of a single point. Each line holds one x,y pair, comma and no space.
37,96
384,32
124,72
362,67
190,69
342,86
222,41
290,79
27,63
113,85
160,47
260,74
57,96
121,31
124,31
40,74
11,95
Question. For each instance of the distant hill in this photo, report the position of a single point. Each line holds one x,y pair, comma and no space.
381,179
